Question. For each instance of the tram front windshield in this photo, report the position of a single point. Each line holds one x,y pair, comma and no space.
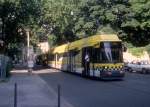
109,52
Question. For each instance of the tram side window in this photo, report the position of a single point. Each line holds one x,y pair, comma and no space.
79,56
51,57
59,57
73,53
96,55
65,54
76,52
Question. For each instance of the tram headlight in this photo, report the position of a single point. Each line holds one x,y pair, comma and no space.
115,68
121,71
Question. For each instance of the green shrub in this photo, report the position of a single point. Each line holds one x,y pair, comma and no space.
148,49
136,51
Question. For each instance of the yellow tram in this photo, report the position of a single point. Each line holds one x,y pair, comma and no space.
99,56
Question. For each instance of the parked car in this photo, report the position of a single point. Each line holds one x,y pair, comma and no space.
141,67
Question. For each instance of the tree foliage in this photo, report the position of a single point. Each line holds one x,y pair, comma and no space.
62,21
137,25
15,17
97,15
130,19
59,19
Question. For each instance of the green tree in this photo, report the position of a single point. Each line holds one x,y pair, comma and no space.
101,16
137,25
58,19
16,16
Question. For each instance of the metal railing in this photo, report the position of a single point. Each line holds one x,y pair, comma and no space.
4,61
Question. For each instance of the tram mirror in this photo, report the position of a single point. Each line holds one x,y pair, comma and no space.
124,48
96,45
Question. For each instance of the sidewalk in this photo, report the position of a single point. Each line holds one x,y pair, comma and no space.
32,92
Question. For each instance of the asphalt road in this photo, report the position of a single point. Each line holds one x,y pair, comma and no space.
133,91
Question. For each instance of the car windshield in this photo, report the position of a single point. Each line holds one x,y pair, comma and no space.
144,62
140,62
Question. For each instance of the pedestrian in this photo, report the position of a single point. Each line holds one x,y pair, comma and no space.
87,64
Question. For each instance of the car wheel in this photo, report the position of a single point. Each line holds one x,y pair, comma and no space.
144,71
130,70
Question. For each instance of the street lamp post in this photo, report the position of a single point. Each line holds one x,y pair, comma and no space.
28,42
29,57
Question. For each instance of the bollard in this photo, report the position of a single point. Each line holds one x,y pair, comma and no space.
15,95
59,102
0,67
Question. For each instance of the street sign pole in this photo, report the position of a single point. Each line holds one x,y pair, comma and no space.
28,42
28,46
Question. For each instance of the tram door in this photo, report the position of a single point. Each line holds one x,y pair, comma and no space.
86,54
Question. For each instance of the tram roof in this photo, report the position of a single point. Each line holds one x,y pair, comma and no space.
85,42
